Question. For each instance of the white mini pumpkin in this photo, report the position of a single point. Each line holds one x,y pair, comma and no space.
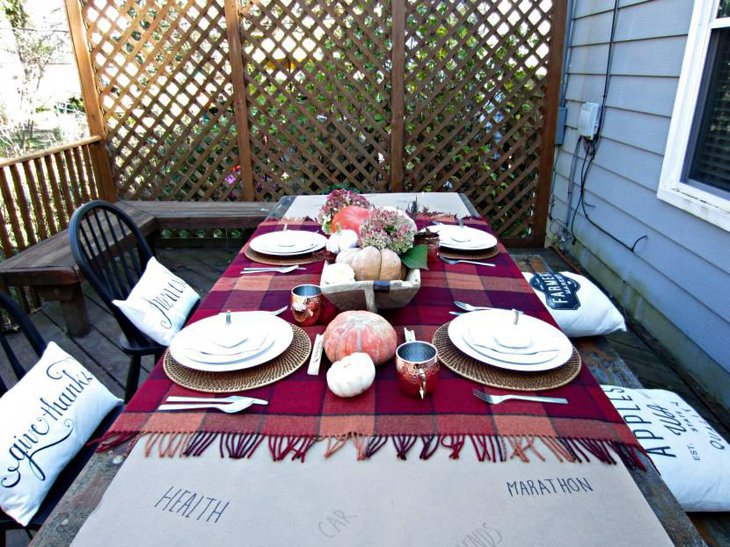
342,239
334,274
351,375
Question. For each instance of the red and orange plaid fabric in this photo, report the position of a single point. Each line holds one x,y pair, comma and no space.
302,411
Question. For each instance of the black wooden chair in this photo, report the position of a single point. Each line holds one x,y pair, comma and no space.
23,349
112,254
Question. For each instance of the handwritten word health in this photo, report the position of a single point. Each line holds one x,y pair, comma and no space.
192,505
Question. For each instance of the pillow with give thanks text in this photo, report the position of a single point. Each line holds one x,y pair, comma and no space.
45,419
577,305
159,303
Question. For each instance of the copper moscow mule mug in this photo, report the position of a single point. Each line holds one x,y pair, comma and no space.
417,367
306,305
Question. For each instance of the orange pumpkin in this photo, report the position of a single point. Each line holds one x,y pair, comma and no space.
349,218
360,332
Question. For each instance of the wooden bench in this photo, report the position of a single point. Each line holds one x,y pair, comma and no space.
50,269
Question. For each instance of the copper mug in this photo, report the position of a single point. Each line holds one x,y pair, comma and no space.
417,367
306,305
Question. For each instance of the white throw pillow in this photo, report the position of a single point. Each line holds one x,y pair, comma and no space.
577,305
692,458
159,303
45,419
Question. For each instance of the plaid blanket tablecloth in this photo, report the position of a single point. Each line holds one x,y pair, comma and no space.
301,410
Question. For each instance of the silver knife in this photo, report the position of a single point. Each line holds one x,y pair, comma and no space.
316,358
222,400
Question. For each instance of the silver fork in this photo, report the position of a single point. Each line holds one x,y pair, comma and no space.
496,399
461,261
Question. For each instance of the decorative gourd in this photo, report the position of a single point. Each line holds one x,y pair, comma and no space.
342,239
351,375
371,264
360,332
334,274
349,218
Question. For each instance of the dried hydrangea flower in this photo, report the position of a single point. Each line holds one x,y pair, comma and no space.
386,229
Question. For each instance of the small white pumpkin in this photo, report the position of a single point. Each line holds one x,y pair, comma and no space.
351,375
335,274
342,239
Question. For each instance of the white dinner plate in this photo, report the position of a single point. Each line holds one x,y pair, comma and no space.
463,238
243,356
269,337
288,243
505,357
543,335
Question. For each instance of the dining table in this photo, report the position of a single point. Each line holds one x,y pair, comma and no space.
383,467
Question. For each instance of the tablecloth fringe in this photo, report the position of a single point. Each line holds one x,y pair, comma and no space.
487,448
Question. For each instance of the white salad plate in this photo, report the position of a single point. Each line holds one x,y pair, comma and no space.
463,238
288,243
197,346
474,334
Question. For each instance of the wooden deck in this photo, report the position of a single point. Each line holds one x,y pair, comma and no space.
201,267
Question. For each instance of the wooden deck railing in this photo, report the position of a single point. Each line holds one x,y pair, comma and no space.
40,191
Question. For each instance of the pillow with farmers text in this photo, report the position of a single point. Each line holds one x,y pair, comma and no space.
577,305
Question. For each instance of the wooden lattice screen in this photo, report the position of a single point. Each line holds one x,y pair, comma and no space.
255,99
318,93
475,86
166,96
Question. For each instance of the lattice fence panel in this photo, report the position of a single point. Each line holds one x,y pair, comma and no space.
163,76
475,84
318,94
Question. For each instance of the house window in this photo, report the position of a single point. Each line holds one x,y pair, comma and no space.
696,170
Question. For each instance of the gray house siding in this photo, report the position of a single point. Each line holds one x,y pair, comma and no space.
677,282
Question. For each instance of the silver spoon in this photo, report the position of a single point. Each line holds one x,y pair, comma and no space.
273,269
228,408
452,261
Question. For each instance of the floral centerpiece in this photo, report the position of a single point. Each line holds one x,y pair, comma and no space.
337,200
388,229
374,246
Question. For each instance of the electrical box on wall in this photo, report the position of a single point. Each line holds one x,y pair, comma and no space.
588,120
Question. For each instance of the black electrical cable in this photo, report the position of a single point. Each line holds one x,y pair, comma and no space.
609,60
591,146
588,157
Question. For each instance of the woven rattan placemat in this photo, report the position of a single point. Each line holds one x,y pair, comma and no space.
466,366
473,255
261,258
227,382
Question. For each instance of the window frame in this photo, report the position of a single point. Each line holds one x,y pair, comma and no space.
706,202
